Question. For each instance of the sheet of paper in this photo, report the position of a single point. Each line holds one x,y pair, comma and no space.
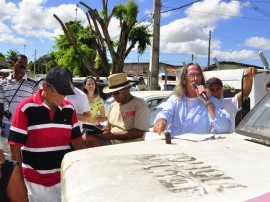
197,137
186,136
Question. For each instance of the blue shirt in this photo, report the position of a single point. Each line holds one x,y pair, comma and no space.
182,118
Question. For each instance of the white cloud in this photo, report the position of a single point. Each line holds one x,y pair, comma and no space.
209,12
4,28
235,55
258,42
166,14
197,47
190,35
32,19
114,29
10,38
7,10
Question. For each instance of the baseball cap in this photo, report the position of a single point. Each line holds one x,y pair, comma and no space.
213,80
60,78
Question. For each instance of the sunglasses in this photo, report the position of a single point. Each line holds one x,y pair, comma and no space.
115,93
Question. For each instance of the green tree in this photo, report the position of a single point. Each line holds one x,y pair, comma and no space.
40,64
74,50
10,56
130,33
3,63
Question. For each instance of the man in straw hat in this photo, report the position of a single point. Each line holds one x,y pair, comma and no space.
43,130
128,118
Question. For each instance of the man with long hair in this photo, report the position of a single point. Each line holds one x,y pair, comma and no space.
190,109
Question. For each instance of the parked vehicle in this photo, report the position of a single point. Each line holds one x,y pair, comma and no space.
233,78
78,82
226,167
169,86
5,73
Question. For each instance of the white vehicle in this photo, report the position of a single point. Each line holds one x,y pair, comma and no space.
233,78
205,168
5,73
81,79
170,85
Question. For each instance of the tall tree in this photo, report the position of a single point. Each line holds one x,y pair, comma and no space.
129,32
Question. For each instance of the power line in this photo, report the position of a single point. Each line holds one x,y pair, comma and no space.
177,8
229,15
252,7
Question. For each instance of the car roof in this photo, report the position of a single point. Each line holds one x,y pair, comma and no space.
6,70
228,169
150,94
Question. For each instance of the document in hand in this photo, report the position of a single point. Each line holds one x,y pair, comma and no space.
92,128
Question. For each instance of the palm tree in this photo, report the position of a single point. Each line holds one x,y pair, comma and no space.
10,56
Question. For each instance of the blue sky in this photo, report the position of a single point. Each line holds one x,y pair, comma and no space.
240,29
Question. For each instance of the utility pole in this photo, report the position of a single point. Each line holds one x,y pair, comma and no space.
138,65
154,57
35,63
76,10
209,48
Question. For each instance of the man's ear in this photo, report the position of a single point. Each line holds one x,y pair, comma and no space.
44,85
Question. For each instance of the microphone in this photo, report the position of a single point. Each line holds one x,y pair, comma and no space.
205,97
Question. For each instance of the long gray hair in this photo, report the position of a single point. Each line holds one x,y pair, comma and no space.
180,88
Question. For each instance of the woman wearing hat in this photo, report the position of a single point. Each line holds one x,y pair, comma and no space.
128,118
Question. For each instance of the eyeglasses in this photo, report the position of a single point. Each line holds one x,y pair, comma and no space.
192,76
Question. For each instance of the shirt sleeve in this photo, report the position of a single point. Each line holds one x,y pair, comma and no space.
168,110
142,116
85,104
18,130
2,96
76,131
222,123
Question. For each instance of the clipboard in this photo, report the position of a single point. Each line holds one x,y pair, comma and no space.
92,128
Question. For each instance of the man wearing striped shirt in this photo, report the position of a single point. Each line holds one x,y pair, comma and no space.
13,90
43,130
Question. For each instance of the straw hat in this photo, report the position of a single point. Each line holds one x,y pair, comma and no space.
117,82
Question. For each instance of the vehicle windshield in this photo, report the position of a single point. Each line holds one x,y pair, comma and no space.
257,123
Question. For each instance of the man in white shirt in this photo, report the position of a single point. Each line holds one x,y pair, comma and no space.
233,104
80,102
